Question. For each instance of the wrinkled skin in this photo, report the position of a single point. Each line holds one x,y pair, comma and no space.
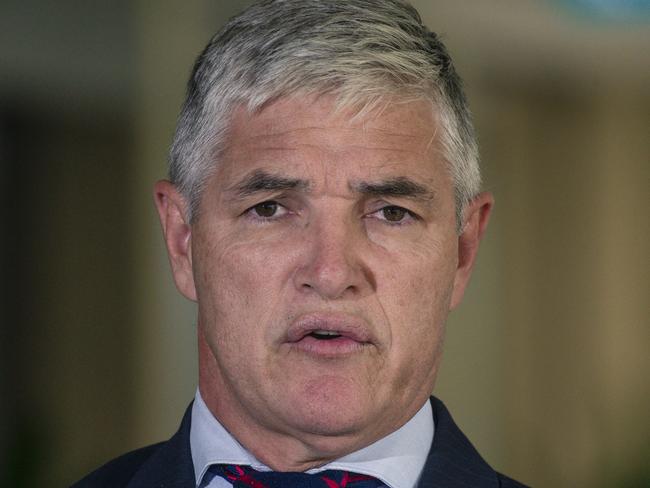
307,224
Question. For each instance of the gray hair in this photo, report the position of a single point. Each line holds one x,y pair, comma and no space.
364,52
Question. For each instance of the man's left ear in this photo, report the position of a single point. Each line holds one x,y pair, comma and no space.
475,218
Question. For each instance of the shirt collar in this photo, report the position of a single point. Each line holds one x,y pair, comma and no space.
397,459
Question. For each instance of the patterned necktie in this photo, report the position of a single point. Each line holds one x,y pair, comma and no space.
247,477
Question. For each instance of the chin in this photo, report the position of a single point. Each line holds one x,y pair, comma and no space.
329,407
329,421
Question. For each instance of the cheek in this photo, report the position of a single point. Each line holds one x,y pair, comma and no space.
239,284
220,289
421,276
419,289
217,282
417,334
421,312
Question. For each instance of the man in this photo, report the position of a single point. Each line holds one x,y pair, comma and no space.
324,212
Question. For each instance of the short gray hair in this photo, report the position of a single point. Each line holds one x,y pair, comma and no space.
365,52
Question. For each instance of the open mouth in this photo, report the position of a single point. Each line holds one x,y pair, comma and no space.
329,335
328,343
324,335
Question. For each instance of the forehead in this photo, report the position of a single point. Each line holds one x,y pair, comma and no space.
307,136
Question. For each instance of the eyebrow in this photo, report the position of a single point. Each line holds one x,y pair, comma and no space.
263,181
260,181
396,187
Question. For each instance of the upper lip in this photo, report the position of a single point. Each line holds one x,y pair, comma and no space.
343,324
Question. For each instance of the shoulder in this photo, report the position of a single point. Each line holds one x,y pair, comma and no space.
505,482
453,462
119,471
166,464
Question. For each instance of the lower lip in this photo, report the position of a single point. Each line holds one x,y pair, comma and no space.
327,347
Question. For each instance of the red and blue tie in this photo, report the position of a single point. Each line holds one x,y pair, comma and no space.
247,477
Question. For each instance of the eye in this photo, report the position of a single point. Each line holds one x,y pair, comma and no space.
267,210
394,214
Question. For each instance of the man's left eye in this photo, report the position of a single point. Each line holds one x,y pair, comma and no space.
394,214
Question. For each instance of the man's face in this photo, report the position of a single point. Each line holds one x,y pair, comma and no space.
324,260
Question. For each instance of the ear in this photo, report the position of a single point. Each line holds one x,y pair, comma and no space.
475,218
172,210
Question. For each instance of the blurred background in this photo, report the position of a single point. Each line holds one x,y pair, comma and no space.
546,363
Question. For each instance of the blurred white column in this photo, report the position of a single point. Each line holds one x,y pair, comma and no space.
170,36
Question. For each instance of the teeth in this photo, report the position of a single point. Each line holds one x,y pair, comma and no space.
326,332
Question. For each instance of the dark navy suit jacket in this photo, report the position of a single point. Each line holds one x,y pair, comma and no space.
452,462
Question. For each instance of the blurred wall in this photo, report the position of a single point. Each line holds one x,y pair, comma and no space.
545,362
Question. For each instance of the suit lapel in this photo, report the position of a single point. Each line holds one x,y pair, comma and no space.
171,465
453,462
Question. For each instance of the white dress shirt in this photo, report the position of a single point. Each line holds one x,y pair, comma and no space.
397,459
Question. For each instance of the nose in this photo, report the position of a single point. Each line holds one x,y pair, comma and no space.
334,264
